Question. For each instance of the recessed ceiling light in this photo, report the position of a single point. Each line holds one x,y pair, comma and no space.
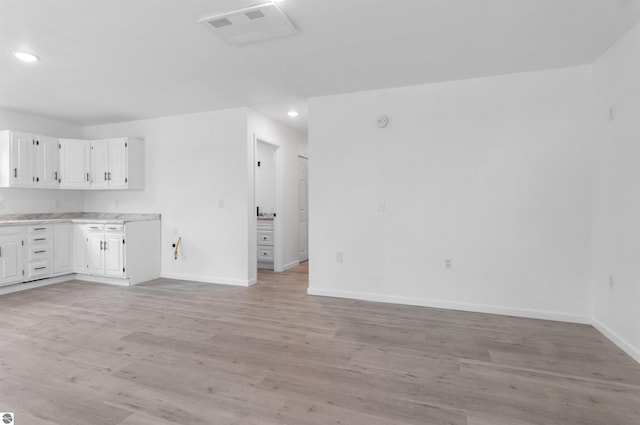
293,114
26,57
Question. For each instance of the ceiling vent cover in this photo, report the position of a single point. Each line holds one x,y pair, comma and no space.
251,24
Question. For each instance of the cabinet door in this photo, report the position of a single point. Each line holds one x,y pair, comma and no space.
10,260
62,248
114,256
94,254
118,163
46,161
75,164
79,248
22,146
100,164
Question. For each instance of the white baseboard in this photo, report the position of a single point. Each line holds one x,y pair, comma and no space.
101,279
450,305
35,284
209,279
617,339
290,265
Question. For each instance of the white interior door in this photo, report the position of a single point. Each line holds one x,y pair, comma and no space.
303,207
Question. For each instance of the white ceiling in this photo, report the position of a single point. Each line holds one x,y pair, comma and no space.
116,60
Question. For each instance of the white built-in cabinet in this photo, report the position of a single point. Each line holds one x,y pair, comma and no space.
11,244
34,161
63,240
75,164
28,160
104,251
124,254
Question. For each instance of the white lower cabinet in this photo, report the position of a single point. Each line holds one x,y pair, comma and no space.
11,250
124,254
39,248
63,248
104,251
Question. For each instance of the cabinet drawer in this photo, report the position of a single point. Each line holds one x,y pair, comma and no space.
39,229
38,270
265,237
114,228
95,227
35,239
264,225
265,254
38,253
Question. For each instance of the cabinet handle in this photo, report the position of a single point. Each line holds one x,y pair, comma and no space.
105,245
87,176
105,176
101,245
37,179
109,175
40,228
40,239
39,252
15,173
55,175
40,268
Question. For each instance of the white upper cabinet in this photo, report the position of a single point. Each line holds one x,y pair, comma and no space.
47,162
100,164
75,164
28,160
21,147
110,159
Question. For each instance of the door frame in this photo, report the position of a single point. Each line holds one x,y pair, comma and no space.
307,181
278,252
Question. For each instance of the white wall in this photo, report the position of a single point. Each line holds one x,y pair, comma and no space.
39,200
193,162
490,172
265,177
615,243
292,143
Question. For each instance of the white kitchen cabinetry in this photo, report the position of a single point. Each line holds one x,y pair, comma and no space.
75,164
28,160
63,252
11,250
39,252
46,162
105,250
110,161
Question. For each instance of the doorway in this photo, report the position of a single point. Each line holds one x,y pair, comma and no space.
267,205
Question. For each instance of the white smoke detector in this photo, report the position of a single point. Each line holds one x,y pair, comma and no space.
251,24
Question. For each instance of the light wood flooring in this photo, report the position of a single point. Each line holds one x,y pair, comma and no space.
173,352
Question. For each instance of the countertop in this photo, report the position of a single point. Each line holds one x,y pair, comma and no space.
101,218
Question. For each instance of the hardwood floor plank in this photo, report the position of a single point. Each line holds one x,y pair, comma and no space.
177,352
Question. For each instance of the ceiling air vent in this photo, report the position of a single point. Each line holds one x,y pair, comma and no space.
251,24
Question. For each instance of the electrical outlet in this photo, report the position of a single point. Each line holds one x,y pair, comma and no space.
612,281
448,263
339,257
